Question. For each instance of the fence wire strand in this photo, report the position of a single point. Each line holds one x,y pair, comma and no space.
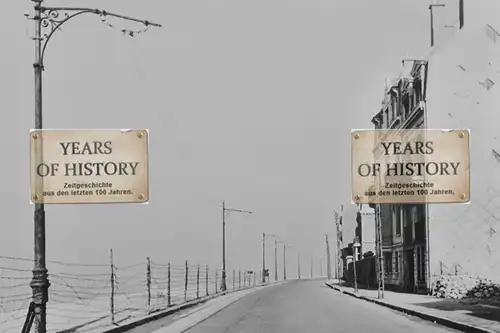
90,294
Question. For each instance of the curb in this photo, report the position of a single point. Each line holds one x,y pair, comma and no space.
172,310
438,320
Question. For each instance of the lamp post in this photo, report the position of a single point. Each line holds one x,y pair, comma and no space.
47,21
223,286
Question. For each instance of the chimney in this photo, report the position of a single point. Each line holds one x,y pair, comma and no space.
461,13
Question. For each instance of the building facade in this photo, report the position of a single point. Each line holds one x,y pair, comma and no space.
464,93
455,87
404,226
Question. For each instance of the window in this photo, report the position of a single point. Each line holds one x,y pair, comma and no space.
396,262
396,218
407,215
388,262
414,214
416,93
422,265
394,106
386,118
406,106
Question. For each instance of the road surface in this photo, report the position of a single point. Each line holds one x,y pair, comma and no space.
304,306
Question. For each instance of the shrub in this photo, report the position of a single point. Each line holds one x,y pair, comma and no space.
455,287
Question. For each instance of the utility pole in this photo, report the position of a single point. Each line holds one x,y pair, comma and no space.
338,223
311,267
328,262
379,250
298,265
284,261
275,260
223,286
432,20
321,267
49,20
356,246
263,257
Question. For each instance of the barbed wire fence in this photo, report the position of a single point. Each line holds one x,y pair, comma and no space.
86,297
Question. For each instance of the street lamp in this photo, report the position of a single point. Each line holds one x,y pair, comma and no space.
223,286
47,21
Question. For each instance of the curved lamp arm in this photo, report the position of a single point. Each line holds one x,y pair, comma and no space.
51,21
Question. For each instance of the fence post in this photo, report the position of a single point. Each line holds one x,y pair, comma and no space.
234,279
169,299
206,280
112,298
198,283
239,279
186,283
148,282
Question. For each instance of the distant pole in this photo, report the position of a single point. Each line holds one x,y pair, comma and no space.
275,260
298,265
263,257
355,247
112,298
321,267
338,223
148,282
311,267
223,282
223,285
284,261
380,253
354,270
328,262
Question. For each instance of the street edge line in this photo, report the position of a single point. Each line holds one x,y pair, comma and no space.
438,320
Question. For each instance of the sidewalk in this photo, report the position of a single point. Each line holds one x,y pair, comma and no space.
205,311
201,309
465,315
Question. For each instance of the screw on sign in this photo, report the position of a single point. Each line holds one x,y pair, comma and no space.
89,166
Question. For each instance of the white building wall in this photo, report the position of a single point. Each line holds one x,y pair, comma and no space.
466,238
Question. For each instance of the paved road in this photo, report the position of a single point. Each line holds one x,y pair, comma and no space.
303,307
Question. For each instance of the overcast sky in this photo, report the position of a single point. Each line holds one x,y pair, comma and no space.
248,101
